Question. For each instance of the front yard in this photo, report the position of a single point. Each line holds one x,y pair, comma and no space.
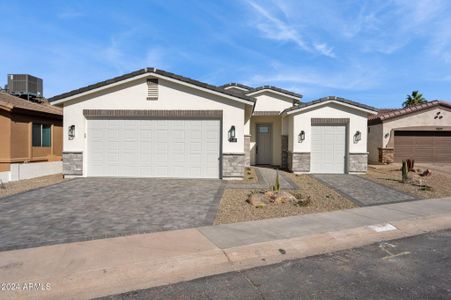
435,186
234,208
14,187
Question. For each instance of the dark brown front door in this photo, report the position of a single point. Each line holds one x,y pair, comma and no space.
423,146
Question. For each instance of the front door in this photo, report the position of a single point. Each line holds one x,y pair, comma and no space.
264,145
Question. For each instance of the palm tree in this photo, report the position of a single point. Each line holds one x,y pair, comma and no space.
414,99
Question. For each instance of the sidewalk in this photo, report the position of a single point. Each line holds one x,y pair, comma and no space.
111,266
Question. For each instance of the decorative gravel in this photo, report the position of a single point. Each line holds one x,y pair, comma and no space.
249,177
14,187
437,185
234,208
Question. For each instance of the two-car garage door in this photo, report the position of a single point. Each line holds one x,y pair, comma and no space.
153,148
423,146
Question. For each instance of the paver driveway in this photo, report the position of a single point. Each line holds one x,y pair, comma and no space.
363,191
92,208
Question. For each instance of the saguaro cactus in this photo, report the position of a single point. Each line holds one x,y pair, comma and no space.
404,171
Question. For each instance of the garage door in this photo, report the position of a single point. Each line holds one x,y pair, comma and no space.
423,146
328,149
154,148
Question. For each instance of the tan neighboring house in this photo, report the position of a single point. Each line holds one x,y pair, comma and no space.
421,132
30,139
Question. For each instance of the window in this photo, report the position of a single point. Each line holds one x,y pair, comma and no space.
41,135
263,129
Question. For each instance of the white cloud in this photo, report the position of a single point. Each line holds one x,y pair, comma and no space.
277,29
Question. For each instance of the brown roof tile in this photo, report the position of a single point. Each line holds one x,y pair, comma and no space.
16,102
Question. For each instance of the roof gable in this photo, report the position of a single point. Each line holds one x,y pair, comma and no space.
142,73
385,114
330,99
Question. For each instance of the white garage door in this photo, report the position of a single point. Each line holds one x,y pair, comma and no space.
153,148
328,149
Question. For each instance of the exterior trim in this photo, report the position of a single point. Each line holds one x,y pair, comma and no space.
143,113
330,99
156,73
330,121
266,113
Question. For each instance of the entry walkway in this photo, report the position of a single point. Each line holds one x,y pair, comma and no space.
362,191
266,179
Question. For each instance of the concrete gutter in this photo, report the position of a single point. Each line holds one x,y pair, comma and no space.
103,267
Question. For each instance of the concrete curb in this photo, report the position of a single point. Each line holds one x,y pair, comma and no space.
110,266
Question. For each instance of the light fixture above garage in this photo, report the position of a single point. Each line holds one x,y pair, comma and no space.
357,136
301,136
232,134
71,133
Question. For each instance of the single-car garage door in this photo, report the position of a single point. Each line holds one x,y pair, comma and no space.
328,149
153,148
423,146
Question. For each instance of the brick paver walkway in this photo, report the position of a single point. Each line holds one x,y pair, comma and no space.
363,191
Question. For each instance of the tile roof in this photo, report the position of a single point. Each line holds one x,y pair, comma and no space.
152,71
385,114
276,89
330,98
243,86
16,102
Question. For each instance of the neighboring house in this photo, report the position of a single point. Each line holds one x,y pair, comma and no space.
151,123
31,139
421,132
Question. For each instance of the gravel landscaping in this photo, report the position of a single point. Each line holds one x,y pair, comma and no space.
249,177
234,208
14,187
435,186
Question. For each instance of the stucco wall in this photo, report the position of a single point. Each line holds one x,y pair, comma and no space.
415,121
267,101
172,96
276,137
302,121
375,138
5,136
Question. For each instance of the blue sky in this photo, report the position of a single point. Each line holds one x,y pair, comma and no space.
374,52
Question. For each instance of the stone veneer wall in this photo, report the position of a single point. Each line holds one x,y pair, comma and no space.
73,163
358,162
386,155
247,150
284,146
233,164
299,161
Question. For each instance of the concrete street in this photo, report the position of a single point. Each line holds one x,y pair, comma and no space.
410,268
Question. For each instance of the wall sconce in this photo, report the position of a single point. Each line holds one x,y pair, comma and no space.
301,136
357,136
232,134
71,133
387,135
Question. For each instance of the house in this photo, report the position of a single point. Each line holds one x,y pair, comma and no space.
30,139
421,132
152,123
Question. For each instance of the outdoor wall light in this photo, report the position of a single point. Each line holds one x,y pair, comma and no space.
71,133
301,136
232,134
357,136
387,135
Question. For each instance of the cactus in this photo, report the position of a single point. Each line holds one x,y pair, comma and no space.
276,186
404,171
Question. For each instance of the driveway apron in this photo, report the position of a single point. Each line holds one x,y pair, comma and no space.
362,191
93,208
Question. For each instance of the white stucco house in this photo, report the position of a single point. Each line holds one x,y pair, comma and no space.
152,123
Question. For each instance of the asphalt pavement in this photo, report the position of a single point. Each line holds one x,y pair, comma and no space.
417,267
